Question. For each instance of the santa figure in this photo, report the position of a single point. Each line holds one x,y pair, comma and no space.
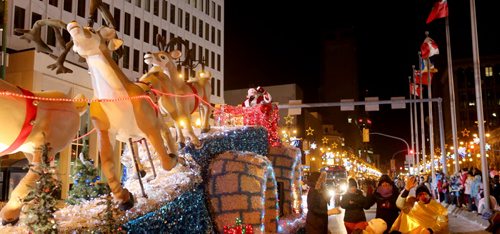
257,96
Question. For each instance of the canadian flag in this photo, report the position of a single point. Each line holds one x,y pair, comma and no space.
440,10
429,48
414,89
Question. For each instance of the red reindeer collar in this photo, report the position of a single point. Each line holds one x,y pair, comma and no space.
31,111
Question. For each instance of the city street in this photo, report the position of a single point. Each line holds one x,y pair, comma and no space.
457,225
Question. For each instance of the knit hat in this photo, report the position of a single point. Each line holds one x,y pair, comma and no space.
353,183
385,178
422,188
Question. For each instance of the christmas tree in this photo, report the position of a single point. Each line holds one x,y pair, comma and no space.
40,204
111,223
85,186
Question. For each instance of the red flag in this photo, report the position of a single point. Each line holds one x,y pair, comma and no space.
440,10
414,89
422,77
429,48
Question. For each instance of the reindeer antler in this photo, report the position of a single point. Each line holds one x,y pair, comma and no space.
35,35
161,42
106,14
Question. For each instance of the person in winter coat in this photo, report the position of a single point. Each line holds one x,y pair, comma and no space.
385,196
317,204
353,201
420,214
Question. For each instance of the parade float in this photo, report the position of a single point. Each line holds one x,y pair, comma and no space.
232,177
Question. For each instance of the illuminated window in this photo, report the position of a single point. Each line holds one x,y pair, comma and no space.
488,71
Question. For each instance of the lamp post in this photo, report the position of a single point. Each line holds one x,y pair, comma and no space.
397,138
189,63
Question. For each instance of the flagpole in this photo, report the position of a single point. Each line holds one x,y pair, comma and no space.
431,124
452,96
422,123
417,148
411,122
479,104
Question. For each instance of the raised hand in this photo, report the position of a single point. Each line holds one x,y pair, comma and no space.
410,183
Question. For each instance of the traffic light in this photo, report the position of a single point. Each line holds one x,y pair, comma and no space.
366,135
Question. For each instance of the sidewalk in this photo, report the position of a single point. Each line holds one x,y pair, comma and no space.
465,214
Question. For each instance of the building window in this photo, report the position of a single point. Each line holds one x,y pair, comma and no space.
126,56
136,61
207,7
206,57
19,14
36,17
147,5
138,3
66,36
51,36
200,28
193,50
146,32
164,33
193,25
53,2
81,8
212,12
179,21
172,14
164,10
219,35
200,54
186,24
213,35
212,84
127,24
137,28
219,13
156,7
117,16
218,62
207,32
155,32
218,88
144,65
212,60
488,71
68,4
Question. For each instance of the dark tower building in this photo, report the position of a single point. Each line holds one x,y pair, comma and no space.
339,80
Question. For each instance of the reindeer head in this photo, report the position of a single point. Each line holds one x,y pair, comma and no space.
161,58
89,42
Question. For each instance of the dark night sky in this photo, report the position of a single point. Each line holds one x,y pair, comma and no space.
278,42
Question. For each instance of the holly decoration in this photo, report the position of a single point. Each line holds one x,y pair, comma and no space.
239,228
40,203
85,177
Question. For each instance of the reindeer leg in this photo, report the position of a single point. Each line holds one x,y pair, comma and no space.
189,128
168,160
178,130
205,118
101,122
11,211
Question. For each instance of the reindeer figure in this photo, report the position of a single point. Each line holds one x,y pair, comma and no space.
179,108
122,120
31,124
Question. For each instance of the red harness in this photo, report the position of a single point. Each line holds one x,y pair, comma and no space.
196,101
31,111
